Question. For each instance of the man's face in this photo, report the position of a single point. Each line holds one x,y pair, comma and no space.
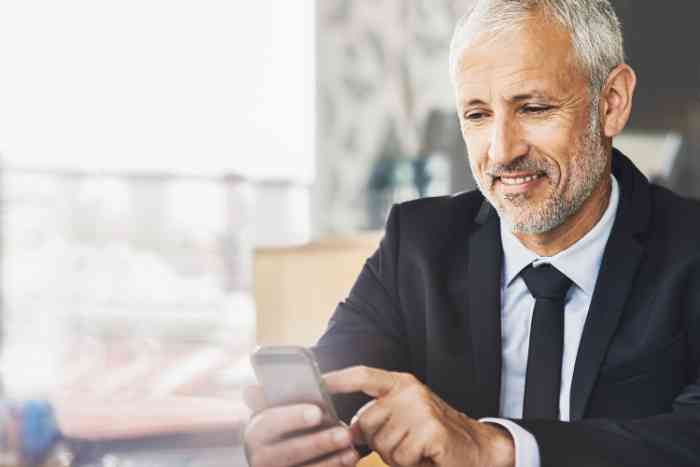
532,133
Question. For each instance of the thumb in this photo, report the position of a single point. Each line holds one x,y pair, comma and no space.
254,398
358,436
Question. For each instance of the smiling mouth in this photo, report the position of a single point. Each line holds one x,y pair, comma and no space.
518,180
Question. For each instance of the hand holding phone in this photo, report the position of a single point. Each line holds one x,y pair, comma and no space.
299,424
289,375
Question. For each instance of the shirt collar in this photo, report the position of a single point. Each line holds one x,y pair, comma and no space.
580,262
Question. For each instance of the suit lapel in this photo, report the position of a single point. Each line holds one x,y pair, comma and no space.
483,305
465,362
623,255
470,334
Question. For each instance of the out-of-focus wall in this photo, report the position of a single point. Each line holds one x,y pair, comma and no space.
382,69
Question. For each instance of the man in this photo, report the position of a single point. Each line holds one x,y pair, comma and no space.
573,314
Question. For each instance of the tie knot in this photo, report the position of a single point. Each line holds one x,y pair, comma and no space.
546,282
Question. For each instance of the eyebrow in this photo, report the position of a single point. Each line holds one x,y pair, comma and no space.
515,98
474,102
530,95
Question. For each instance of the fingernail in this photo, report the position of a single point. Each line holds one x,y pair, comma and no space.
349,458
312,415
341,437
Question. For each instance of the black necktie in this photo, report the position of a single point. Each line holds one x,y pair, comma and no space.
544,359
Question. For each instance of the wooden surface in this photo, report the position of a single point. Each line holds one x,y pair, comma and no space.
297,288
373,460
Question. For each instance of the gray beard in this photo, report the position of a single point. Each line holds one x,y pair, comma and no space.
588,168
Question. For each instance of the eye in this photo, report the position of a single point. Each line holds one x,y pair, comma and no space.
536,109
474,115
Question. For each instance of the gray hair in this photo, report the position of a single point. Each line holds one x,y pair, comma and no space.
596,34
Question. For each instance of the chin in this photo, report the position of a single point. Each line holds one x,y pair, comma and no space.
531,229
533,221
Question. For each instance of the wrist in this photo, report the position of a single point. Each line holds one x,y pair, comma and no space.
500,446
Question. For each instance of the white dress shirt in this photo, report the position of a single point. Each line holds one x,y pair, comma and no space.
580,263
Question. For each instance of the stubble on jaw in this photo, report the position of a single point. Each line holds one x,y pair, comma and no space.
588,164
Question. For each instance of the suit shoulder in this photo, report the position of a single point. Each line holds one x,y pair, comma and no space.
433,221
440,208
678,216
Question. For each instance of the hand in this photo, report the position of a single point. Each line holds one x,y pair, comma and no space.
408,425
270,441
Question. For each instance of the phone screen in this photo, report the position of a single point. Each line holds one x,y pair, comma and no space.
289,376
288,379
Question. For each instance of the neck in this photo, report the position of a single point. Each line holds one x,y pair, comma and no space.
576,227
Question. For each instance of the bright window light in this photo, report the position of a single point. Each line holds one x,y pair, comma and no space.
193,86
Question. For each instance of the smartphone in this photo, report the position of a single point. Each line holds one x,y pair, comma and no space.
290,375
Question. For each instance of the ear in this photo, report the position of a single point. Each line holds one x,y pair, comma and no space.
616,99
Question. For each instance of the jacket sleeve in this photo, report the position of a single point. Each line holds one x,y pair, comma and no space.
671,440
367,327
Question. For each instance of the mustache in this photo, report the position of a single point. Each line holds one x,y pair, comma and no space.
522,164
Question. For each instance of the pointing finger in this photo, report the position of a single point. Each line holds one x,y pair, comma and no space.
371,381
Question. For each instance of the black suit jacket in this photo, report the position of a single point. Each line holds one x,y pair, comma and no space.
428,302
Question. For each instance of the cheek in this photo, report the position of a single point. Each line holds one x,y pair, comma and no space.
550,138
478,161
477,154
555,142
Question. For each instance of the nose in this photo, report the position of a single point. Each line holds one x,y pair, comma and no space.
506,143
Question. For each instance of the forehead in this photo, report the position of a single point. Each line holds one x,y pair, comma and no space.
534,58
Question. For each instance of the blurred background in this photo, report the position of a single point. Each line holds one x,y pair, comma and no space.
182,180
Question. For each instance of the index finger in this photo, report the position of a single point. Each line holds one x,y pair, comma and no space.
372,381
